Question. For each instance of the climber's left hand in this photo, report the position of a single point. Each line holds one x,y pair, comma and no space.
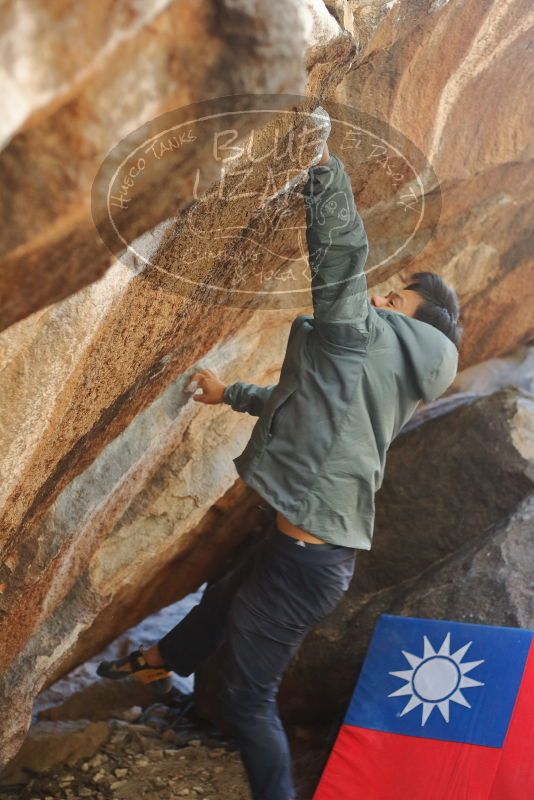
212,387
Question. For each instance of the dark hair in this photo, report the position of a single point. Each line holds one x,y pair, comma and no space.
440,306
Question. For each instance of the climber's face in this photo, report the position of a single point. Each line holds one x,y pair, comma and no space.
405,301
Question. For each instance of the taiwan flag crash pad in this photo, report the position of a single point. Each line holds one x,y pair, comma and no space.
441,711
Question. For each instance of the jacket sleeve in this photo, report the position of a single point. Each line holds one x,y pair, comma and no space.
338,249
247,397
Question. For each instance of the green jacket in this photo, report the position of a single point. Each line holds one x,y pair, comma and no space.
352,376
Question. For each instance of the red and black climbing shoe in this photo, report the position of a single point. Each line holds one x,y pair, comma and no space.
135,666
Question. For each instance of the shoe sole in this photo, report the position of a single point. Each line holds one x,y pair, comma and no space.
146,677
149,676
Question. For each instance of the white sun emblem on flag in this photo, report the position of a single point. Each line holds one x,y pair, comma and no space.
436,679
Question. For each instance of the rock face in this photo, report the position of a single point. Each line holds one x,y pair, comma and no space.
451,76
99,474
53,744
90,77
457,468
109,476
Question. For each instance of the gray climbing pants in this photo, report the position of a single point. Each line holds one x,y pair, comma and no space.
261,611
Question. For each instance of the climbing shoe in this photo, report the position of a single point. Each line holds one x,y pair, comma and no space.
135,666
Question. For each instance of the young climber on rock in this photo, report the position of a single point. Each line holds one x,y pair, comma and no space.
353,374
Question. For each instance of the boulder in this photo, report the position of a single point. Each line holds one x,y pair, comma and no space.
101,700
452,78
92,77
459,466
52,744
105,458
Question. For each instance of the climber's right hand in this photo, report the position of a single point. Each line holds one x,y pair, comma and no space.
321,118
212,387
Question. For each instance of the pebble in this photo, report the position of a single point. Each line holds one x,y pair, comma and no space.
155,755
85,767
142,762
170,736
116,785
120,772
99,776
194,742
217,752
120,726
128,714
83,792
182,792
98,760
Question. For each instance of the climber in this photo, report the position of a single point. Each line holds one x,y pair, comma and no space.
353,374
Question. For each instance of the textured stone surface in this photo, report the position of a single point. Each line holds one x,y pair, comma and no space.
152,463
74,100
108,478
101,700
51,744
140,516
454,78
488,581
459,467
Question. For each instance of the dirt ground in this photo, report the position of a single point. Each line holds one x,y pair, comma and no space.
164,751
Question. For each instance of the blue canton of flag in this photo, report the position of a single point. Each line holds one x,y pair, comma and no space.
440,680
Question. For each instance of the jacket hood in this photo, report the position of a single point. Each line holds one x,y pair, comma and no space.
432,355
